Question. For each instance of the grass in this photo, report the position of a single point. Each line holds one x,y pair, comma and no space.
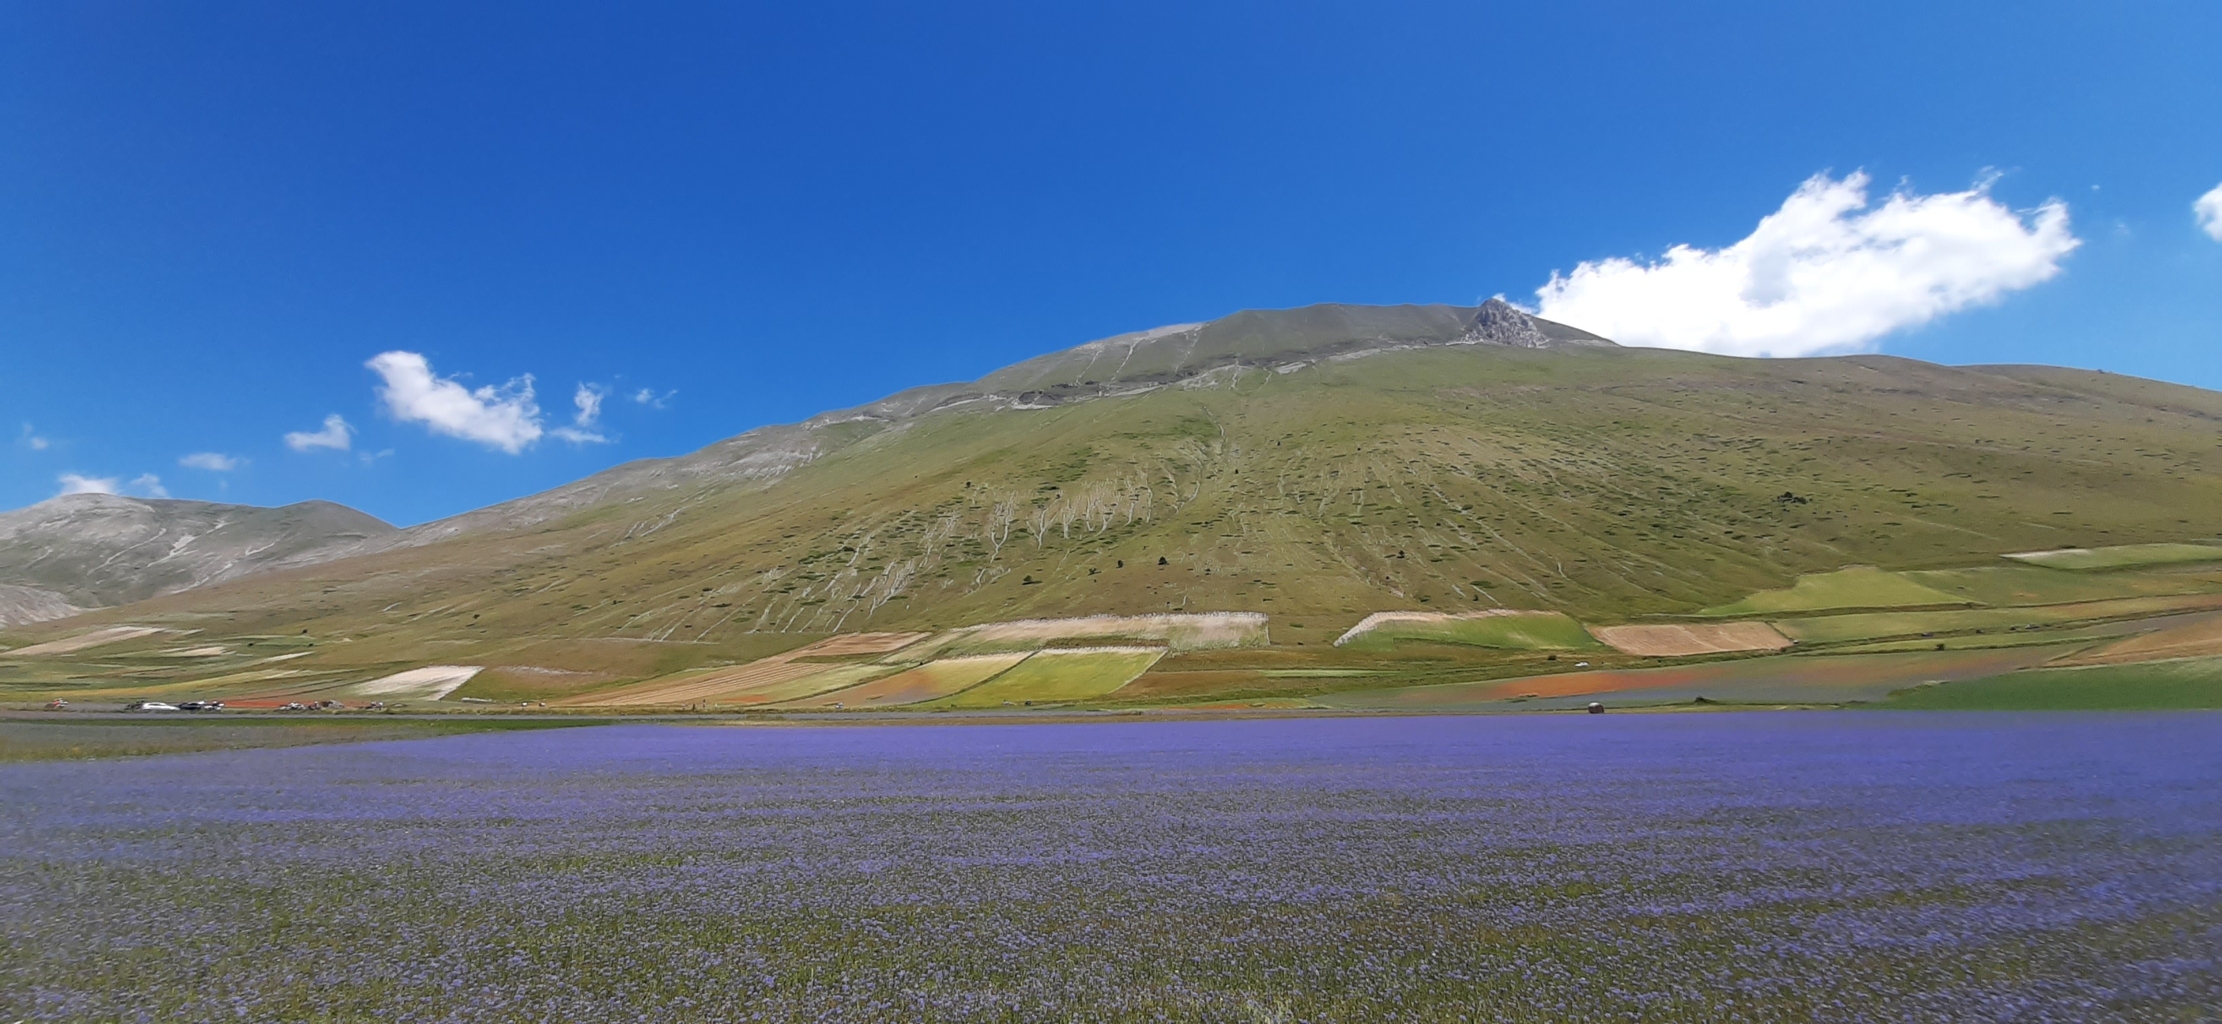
1876,625
2122,556
1055,677
62,739
2012,585
2151,686
1856,587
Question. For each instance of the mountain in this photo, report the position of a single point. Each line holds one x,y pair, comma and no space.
92,550
1183,356
1317,465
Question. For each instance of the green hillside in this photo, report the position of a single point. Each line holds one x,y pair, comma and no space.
1361,460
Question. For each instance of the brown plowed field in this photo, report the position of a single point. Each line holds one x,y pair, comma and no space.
723,684
1677,640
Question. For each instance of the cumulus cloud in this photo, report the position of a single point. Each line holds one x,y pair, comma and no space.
150,485
74,483
498,417
1826,272
336,435
214,462
588,400
2208,210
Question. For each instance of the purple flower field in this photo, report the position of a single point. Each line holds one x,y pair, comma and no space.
1785,866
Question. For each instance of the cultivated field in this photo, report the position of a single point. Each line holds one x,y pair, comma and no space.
1058,676
1669,868
1781,679
1681,640
786,676
1498,659
2122,556
1868,626
2192,637
429,683
1186,632
1858,587
86,641
923,683
78,739
1497,627
2153,686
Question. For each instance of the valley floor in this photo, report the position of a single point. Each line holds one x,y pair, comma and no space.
1750,866
2134,627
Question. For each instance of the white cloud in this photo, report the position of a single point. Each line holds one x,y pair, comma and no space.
2208,210
214,462
30,439
1826,272
336,435
503,417
649,397
73,483
588,399
150,485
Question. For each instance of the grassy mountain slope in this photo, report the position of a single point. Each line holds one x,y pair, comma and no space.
1317,475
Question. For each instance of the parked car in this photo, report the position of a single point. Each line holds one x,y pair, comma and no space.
149,705
201,705
293,706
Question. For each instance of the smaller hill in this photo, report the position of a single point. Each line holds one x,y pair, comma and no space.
82,551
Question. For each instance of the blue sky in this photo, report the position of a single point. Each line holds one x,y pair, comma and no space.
214,216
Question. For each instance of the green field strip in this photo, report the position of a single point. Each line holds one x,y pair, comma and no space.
1057,676
2007,586
1880,625
1856,587
1774,679
1981,641
2147,686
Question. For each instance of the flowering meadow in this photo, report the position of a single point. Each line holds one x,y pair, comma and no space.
1836,866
